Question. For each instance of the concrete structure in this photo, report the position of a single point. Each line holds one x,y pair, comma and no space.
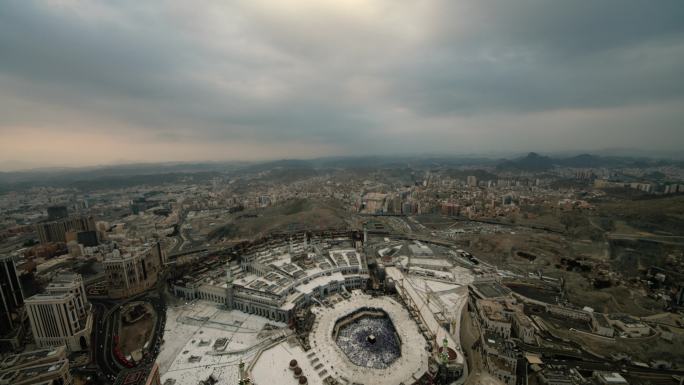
11,304
499,357
87,238
420,250
629,326
601,326
195,327
55,231
500,317
47,366
374,202
609,378
506,318
57,212
134,271
61,316
598,322
32,358
549,376
274,282
145,375
524,328
492,317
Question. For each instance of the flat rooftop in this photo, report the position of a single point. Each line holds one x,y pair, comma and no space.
491,289
41,372
18,360
192,329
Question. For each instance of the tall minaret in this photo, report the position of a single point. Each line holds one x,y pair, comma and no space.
243,379
445,351
229,286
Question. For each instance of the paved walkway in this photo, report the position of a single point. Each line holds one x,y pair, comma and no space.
408,368
426,312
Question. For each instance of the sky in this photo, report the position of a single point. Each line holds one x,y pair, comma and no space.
100,82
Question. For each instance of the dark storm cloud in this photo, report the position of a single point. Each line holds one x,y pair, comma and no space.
343,74
537,55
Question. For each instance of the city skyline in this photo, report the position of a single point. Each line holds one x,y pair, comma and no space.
90,83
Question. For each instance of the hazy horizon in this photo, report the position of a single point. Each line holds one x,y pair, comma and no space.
494,157
85,83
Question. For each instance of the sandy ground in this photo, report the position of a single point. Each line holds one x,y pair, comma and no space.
134,336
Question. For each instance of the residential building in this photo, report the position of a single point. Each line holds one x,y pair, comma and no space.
134,271
32,358
70,283
55,231
55,372
61,315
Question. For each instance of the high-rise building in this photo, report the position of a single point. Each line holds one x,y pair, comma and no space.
87,238
70,283
134,271
61,316
55,231
11,297
57,212
472,181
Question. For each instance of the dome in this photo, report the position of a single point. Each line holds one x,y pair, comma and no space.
302,380
293,363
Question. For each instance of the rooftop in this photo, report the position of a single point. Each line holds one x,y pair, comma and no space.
36,373
189,327
19,360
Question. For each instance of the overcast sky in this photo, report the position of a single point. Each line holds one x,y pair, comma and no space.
97,82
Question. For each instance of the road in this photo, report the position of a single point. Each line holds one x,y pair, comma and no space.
676,240
654,376
107,318
101,340
180,240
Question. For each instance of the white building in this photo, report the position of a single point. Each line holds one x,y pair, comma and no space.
70,283
61,316
275,282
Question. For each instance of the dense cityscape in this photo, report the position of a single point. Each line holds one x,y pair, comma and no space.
341,192
420,271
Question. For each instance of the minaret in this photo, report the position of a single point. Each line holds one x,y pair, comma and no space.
229,287
243,379
445,351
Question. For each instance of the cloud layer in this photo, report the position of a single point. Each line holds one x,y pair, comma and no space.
89,82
